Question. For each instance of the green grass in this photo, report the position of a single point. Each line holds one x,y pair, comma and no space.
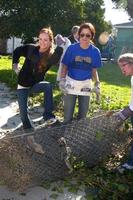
6,73
115,87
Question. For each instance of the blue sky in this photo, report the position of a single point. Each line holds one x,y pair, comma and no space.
114,15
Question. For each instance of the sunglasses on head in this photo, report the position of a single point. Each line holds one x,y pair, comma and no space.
85,35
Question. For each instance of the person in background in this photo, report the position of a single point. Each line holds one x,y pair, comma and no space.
63,42
74,37
125,62
38,59
79,67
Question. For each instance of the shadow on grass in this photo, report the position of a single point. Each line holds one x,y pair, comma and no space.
8,77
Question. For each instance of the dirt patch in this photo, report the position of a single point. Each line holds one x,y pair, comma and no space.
15,165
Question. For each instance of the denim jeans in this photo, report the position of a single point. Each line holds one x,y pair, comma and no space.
23,95
130,161
132,121
69,105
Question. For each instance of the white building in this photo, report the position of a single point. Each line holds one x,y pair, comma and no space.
12,43
8,45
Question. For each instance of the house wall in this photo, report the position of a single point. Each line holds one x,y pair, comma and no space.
124,41
12,43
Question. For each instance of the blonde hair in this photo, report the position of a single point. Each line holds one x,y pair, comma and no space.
49,31
49,52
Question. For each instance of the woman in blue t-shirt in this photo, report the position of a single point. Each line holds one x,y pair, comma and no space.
79,67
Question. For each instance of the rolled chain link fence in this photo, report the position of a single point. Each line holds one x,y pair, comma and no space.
89,140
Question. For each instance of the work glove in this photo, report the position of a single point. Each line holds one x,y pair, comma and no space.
16,67
124,114
96,90
62,85
118,118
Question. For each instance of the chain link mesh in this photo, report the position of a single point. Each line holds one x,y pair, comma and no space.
89,140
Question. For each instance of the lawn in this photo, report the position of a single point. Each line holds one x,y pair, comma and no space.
115,88
102,183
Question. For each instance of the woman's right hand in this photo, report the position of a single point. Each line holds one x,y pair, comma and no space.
16,68
62,84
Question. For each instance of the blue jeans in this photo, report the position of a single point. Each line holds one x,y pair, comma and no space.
130,161
23,95
69,105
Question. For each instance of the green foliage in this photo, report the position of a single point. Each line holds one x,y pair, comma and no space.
130,8
100,183
25,18
99,136
94,13
120,3
6,74
126,4
54,196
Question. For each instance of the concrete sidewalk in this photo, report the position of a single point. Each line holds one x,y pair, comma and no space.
39,193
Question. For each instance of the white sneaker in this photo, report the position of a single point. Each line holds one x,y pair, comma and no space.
124,167
51,121
127,166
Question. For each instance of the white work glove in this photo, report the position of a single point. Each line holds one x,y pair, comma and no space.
122,115
96,90
118,118
16,68
62,85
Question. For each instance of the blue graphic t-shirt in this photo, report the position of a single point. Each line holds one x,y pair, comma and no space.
80,62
